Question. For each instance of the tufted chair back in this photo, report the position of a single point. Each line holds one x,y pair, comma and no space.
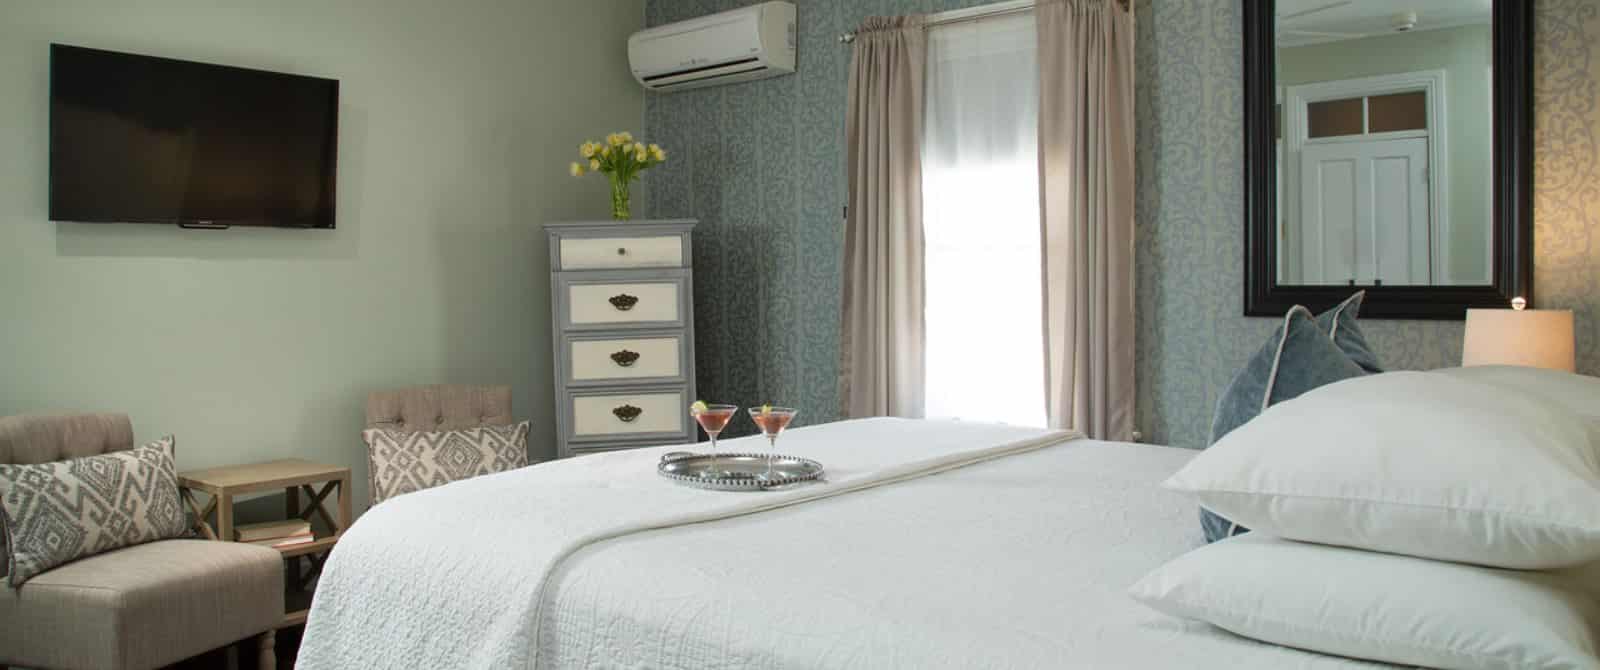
434,408
42,439
441,407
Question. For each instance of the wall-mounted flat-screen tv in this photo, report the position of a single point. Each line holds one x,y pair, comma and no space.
140,139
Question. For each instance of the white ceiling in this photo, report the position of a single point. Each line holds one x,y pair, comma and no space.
1334,20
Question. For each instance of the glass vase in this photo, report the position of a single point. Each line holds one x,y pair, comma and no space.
619,199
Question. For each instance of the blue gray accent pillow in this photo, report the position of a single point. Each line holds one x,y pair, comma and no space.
1299,357
1340,324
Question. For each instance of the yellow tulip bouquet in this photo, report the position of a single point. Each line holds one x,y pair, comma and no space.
622,159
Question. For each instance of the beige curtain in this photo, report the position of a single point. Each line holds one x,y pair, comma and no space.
881,343
1086,211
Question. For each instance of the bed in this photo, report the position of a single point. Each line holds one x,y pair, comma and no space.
954,546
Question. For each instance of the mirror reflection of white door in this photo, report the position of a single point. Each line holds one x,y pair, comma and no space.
1364,212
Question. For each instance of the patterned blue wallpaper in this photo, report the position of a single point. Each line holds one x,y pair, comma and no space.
761,165
1566,188
1190,200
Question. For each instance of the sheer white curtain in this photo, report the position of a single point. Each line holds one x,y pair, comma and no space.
981,223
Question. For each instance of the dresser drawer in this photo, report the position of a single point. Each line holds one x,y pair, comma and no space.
620,253
605,415
621,359
623,303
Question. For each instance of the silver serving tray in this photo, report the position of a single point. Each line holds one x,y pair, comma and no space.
737,472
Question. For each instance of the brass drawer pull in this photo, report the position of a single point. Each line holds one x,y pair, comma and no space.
624,302
625,358
627,413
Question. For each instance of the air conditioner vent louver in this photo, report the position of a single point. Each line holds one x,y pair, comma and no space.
745,44
697,70
708,80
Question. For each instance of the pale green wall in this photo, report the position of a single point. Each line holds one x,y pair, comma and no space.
1464,54
457,121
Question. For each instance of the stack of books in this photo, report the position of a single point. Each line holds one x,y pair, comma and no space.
276,534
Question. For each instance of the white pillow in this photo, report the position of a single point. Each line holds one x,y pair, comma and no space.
1579,393
1413,463
1376,606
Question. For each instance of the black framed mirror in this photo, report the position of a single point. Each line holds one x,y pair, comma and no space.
1390,150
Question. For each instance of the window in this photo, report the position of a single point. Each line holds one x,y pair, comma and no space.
985,347
1397,111
1332,118
1364,115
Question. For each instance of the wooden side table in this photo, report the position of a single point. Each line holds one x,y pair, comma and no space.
296,477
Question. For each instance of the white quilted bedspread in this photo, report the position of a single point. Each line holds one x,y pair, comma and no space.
1015,562
1020,562
456,576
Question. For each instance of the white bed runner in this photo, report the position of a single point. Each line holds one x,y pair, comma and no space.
454,576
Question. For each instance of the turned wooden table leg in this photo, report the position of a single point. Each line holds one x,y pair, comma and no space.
267,651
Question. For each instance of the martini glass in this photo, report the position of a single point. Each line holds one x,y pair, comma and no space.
713,419
772,420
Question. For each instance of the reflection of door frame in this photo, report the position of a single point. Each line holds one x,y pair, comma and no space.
1279,230
1432,84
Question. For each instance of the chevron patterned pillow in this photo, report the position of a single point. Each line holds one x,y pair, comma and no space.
402,462
61,511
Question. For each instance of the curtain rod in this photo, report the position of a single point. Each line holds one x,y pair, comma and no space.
975,13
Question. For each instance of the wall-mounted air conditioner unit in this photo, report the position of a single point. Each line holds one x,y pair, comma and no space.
753,42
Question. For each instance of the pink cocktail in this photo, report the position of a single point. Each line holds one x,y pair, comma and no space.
712,419
772,420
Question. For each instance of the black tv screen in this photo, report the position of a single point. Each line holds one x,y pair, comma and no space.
153,140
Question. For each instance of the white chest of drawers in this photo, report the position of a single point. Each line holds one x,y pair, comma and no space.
623,322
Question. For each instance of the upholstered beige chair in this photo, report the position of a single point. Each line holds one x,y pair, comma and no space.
435,408
143,606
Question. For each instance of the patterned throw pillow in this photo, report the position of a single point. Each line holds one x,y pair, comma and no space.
62,511
402,462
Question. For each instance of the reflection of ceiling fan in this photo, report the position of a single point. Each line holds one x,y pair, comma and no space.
1285,29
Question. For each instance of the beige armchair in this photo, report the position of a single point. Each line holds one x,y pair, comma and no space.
143,606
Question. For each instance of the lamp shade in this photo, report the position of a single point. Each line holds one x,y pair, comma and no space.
1537,338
